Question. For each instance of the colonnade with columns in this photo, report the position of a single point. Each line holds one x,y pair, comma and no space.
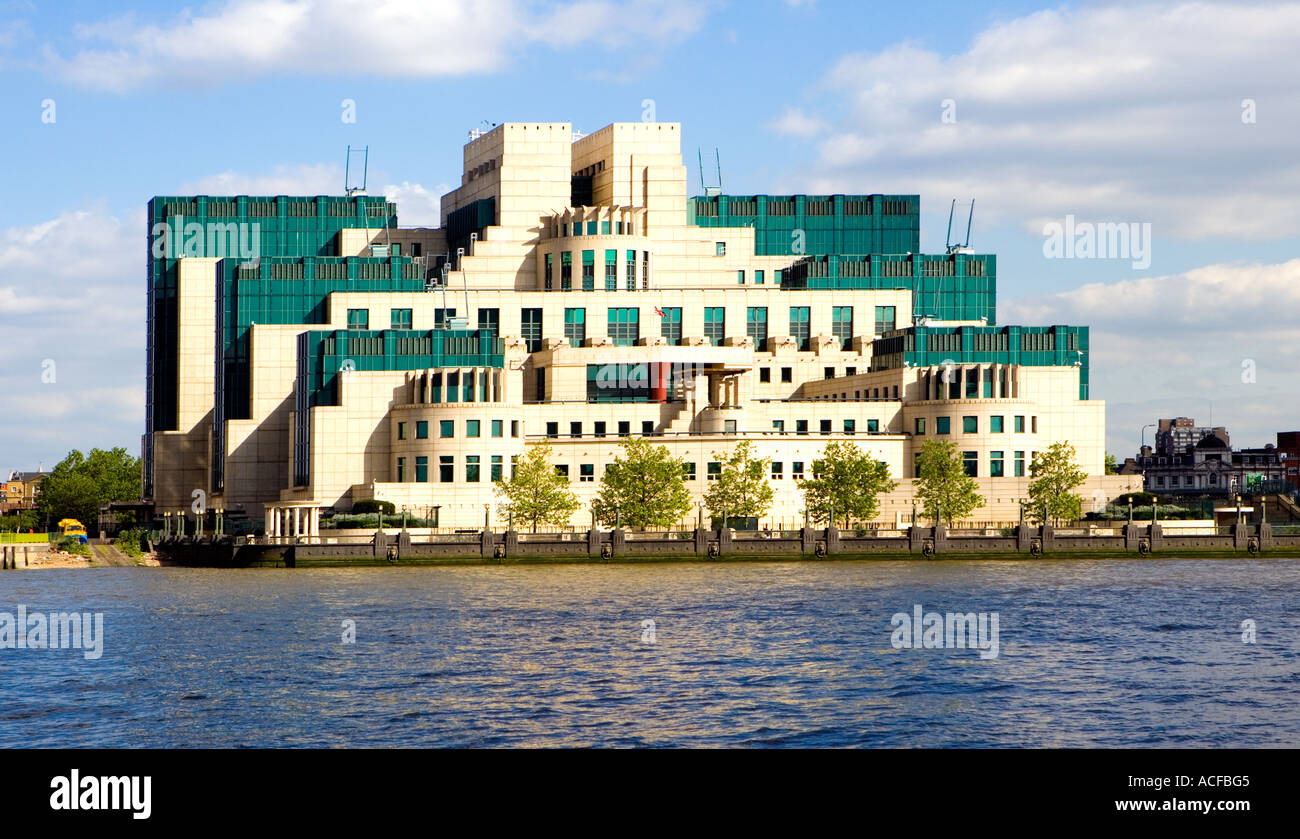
292,522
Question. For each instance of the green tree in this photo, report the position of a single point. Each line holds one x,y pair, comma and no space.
81,483
942,485
1055,476
642,488
1112,465
535,493
742,487
19,522
845,483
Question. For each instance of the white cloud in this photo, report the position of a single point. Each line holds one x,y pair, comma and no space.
72,293
793,122
1180,345
385,38
1126,112
299,179
416,206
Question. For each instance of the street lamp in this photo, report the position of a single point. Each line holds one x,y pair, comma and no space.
1144,432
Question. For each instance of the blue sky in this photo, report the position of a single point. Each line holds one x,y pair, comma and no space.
1132,113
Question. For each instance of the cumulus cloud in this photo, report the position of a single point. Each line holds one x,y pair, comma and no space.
386,38
793,122
74,335
1132,112
1216,343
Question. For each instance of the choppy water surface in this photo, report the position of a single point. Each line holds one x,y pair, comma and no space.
1097,653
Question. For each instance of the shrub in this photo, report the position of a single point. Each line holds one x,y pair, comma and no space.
373,505
130,542
74,546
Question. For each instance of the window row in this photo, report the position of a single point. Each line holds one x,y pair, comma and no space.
447,468
971,425
825,426
997,464
610,274
447,429
597,228
624,325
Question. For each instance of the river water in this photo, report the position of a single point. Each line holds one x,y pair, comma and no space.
1090,653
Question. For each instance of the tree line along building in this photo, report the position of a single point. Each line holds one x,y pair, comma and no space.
306,353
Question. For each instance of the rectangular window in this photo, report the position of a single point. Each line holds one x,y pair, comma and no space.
624,428
645,270
489,320
401,469
471,428
589,270
688,471
630,279
471,468
777,466
873,426
548,270
591,228
740,277
715,324
884,319
648,427
496,468
824,426
446,465
995,464
720,248
995,425
400,318
514,428
575,429
624,326
552,429
401,431
778,426
756,329
765,375
562,469
988,382
441,318
611,270
796,470
942,425
715,471
1018,426
446,428
850,371
586,472
970,425
575,326
801,426
842,325
566,271
799,327
828,372
787,374
530,325
972,377
598,428
358,318
1033,424
422,469
422,430
971,460
604,228
920,425
850,426
758,278
539,384
670,325
728,426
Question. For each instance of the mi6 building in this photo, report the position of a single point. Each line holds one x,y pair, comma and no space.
307,353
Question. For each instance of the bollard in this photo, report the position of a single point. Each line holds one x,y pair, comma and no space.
27,563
